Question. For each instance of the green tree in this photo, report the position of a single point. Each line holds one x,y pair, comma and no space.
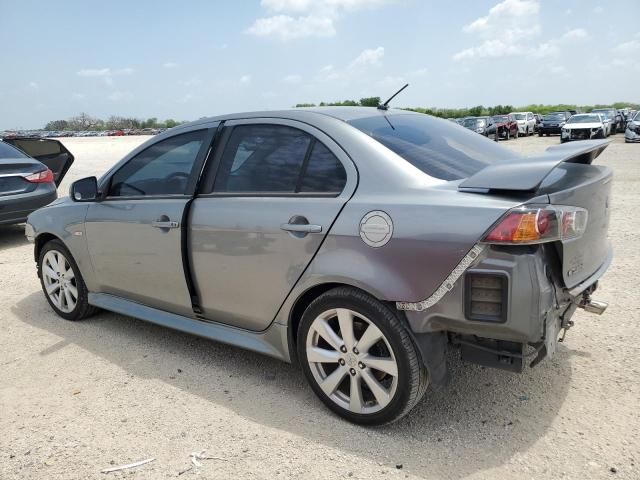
370,101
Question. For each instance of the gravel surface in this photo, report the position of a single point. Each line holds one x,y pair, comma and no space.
76,398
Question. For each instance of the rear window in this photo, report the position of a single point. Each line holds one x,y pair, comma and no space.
7,151
437,147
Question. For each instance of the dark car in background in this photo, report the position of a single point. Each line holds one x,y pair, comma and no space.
617,122
482,125
552,123
30,171
506,125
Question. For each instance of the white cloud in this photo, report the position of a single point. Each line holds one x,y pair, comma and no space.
292,79
628,48
104,72
170,65
509,17
33,85
94,72
576,33
245,79
78,96
295,19
369,57
287,28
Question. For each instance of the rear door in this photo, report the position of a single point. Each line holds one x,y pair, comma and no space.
51,153
273,192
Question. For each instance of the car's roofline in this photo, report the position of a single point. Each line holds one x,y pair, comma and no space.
344,114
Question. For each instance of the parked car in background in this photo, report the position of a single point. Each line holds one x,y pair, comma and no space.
552,123
482,125
632,132
357,242
617,124
30,171
583,126
526,122
506,125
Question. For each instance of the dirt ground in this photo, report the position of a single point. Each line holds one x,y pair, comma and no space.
76,398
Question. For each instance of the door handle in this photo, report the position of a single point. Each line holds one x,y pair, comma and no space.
301,227
165,224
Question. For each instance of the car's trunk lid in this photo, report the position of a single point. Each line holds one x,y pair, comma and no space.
12,173
566,177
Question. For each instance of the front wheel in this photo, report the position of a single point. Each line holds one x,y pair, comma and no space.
359,357
62,282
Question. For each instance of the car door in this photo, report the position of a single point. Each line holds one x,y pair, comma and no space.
134,234
52,153
265,207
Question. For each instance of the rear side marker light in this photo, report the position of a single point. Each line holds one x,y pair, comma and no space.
538,224
486,297
45,176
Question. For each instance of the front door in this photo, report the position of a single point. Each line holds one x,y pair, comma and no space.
134,235
261,218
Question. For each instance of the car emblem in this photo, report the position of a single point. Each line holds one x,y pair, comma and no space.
376,228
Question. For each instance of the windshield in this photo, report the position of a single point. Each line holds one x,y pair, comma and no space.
501,118
603,112
584,119
554,116
520,116
7,151
435,146
637,117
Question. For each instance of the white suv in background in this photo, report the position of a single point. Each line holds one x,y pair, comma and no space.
526,122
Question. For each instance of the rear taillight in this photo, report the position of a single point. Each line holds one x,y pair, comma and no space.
538,224
45,176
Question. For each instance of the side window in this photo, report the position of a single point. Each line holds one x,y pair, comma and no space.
162,169
262,158
325,173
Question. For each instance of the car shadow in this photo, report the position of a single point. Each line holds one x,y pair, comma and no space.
12,236
489,416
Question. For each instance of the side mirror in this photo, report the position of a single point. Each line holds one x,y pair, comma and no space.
84,190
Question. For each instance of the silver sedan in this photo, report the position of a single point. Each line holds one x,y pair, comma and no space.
361,243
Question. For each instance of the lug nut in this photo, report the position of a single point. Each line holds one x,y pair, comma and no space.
355,350
361,365
352,371
343,349
341,361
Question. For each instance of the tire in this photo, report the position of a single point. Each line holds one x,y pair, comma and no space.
517,134
63,305
343,365
508,135
540,133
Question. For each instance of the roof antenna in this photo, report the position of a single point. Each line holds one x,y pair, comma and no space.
385,105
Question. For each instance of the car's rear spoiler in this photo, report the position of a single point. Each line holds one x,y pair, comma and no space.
527,174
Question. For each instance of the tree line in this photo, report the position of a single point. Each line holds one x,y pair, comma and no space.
85,122
477,111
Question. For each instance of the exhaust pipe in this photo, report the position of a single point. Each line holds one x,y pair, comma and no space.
593,306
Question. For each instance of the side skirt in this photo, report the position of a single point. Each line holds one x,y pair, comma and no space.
271,342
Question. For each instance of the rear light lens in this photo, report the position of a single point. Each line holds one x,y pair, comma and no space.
45,176
539,224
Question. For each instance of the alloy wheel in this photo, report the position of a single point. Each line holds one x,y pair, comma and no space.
59,281
352,361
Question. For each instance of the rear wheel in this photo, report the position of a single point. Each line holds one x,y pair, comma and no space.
359,357
62,282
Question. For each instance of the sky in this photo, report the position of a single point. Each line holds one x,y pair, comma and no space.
189,59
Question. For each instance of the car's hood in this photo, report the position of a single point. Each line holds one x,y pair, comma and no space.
569,126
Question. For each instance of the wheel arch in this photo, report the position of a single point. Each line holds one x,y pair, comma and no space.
303,300
41,240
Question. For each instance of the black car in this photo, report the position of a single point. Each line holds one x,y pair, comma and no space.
552,123
483,125
617,121
30,171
